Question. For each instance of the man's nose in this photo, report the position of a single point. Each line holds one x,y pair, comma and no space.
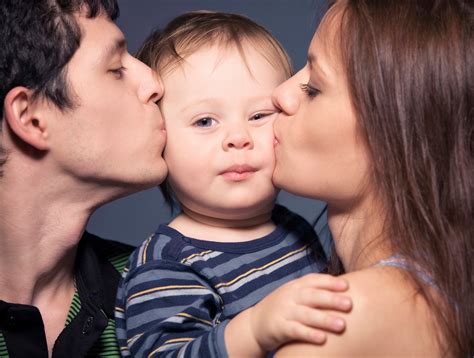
151,87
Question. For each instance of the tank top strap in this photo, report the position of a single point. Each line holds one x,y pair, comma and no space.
400,262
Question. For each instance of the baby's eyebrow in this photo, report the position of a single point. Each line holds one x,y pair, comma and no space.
208,101
218,100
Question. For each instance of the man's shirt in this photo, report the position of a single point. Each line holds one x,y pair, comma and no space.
89,328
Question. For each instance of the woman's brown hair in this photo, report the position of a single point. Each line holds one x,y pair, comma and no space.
410,68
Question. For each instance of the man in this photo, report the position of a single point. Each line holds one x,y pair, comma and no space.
79,128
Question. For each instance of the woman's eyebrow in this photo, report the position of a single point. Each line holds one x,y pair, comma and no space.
314,64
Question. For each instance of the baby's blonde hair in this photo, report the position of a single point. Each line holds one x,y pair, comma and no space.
164,49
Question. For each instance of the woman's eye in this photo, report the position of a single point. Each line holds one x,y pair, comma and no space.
205,122
309,90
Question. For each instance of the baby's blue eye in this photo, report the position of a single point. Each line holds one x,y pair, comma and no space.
258,116
204,122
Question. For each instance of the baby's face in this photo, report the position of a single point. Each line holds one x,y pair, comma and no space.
219,120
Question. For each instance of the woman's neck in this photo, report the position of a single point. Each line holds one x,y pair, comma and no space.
358,235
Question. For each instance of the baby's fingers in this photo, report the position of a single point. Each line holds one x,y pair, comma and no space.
324,281
316,298
301,332
320,320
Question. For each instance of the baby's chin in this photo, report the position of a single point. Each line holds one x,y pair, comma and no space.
243,211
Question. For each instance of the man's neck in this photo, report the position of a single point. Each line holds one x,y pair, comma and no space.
39,233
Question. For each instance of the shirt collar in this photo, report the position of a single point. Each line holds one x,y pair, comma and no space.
91,268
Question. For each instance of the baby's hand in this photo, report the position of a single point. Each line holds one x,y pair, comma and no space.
293,311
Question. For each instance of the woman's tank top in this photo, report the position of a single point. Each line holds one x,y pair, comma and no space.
400,262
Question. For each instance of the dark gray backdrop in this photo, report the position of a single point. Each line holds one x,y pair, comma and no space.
293,22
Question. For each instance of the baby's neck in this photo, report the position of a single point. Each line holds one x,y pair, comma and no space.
209,228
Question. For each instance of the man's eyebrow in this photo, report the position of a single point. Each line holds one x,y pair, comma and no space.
118,46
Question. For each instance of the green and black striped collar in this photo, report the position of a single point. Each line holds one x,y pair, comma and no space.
89,329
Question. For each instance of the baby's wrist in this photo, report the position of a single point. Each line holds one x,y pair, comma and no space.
240,336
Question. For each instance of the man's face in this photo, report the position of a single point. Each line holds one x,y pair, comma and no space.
115,135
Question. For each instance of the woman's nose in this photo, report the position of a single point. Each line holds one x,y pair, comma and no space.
286,97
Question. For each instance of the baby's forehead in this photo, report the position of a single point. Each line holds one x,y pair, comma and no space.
223,79
217,52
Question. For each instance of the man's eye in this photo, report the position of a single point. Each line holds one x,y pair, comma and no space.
118,72
205,122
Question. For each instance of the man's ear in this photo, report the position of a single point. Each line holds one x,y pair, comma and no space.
26,117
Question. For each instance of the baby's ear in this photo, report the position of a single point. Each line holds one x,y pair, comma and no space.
26,117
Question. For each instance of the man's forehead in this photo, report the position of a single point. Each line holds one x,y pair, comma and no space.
117,46
101,38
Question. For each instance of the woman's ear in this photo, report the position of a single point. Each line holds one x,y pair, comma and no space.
25,117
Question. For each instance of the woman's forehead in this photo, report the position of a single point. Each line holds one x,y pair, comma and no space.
325,45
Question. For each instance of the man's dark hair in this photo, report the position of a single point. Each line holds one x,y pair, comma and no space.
38,39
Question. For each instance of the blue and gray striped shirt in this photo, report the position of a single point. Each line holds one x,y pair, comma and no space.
178,293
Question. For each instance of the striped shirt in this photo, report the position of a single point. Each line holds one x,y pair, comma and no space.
178,293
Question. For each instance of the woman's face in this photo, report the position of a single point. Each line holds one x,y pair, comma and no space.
319,151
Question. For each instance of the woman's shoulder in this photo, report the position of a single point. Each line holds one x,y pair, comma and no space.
387,313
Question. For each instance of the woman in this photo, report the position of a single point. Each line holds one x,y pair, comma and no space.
379,124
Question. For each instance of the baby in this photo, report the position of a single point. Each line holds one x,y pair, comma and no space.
226,276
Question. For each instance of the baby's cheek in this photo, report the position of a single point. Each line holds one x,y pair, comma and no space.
270,152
